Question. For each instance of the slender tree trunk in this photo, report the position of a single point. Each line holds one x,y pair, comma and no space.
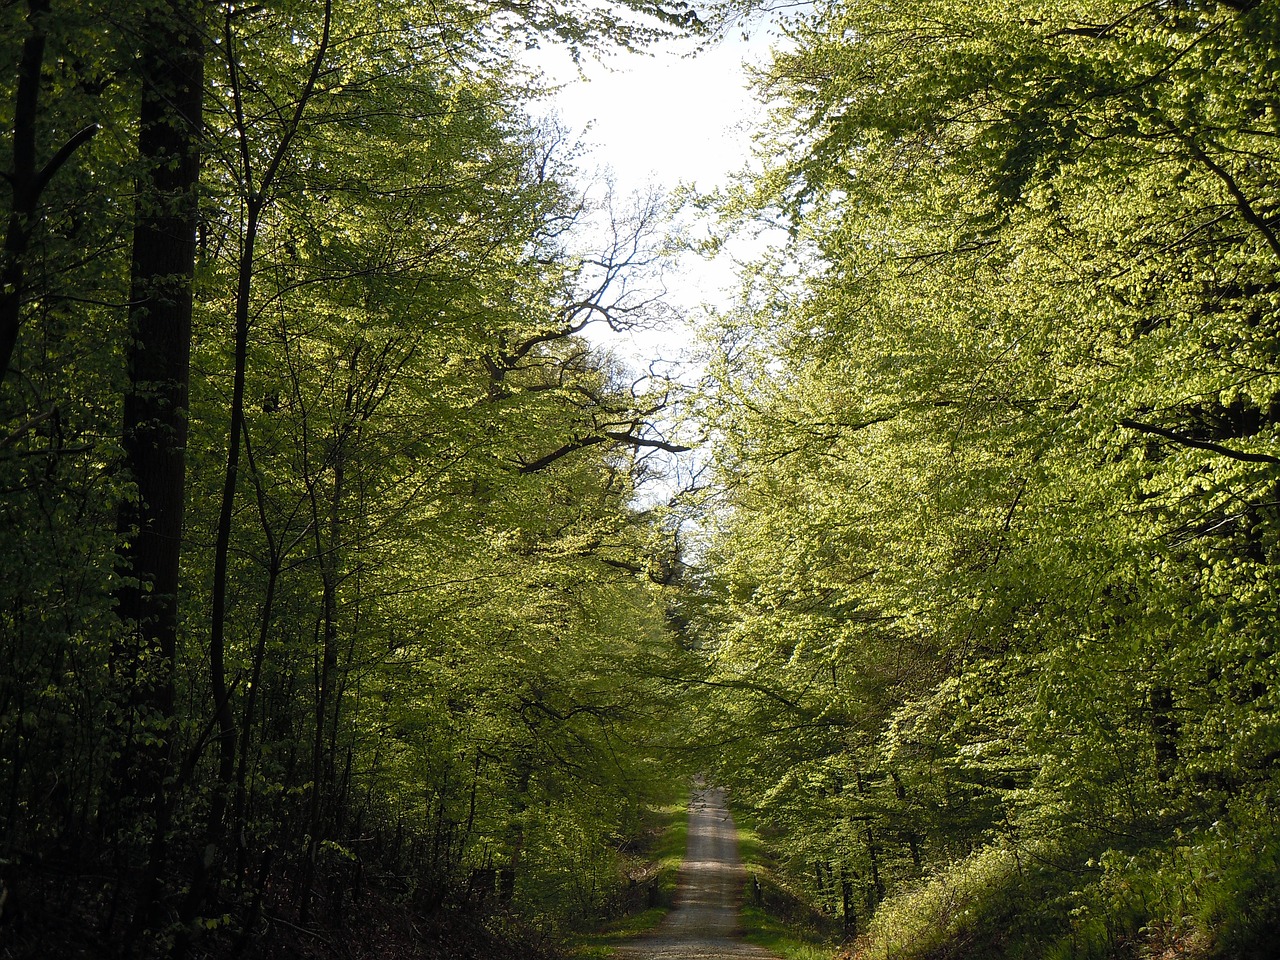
21,179
258,194
876,892
240,814
206,868
1164,731
26,181
909,834
327,554
848,912
509,873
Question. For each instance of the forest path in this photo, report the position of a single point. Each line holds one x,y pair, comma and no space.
705,924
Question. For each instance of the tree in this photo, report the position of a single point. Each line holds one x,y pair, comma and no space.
28,179
367,228
154,432
1027,362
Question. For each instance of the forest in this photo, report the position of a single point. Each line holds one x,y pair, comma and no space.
354,601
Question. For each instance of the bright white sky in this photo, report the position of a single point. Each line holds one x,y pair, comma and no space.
663,119
662,116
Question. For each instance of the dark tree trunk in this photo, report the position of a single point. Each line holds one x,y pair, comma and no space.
26,181
848,911
154,434
229,773
909,834
21,179
1164,731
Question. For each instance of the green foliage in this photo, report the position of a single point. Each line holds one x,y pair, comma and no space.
650,869
420,652
773,916
990,574
1202,895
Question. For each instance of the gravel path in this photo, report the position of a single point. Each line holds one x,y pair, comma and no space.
704,924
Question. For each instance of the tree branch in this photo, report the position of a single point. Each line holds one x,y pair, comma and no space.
632,440
25,428
55,163
1199,444
604,436
1250,215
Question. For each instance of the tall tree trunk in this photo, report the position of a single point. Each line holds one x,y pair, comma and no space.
154,435
909,833
21,179
848,911
328,545
258,187
26,181
1164,731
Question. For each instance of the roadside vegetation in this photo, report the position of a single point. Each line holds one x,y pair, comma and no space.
651,877
774,914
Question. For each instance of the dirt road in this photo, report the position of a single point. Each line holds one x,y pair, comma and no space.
704,924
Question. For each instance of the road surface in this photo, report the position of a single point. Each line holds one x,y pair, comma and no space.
704,924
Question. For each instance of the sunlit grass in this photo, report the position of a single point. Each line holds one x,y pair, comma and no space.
789,940
785,940
668,830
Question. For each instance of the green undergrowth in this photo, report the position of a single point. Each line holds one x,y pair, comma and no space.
774,916
1208,895
654,860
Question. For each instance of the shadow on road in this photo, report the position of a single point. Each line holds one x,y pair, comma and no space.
705,923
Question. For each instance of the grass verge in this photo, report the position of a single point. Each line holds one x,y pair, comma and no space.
773,916
656,867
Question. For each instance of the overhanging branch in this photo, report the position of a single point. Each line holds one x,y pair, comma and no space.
605,436
1199,444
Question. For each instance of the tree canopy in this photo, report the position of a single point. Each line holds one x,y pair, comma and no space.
332,601
990,589
323,576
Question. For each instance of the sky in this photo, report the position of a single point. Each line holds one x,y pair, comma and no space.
663,119
662,116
